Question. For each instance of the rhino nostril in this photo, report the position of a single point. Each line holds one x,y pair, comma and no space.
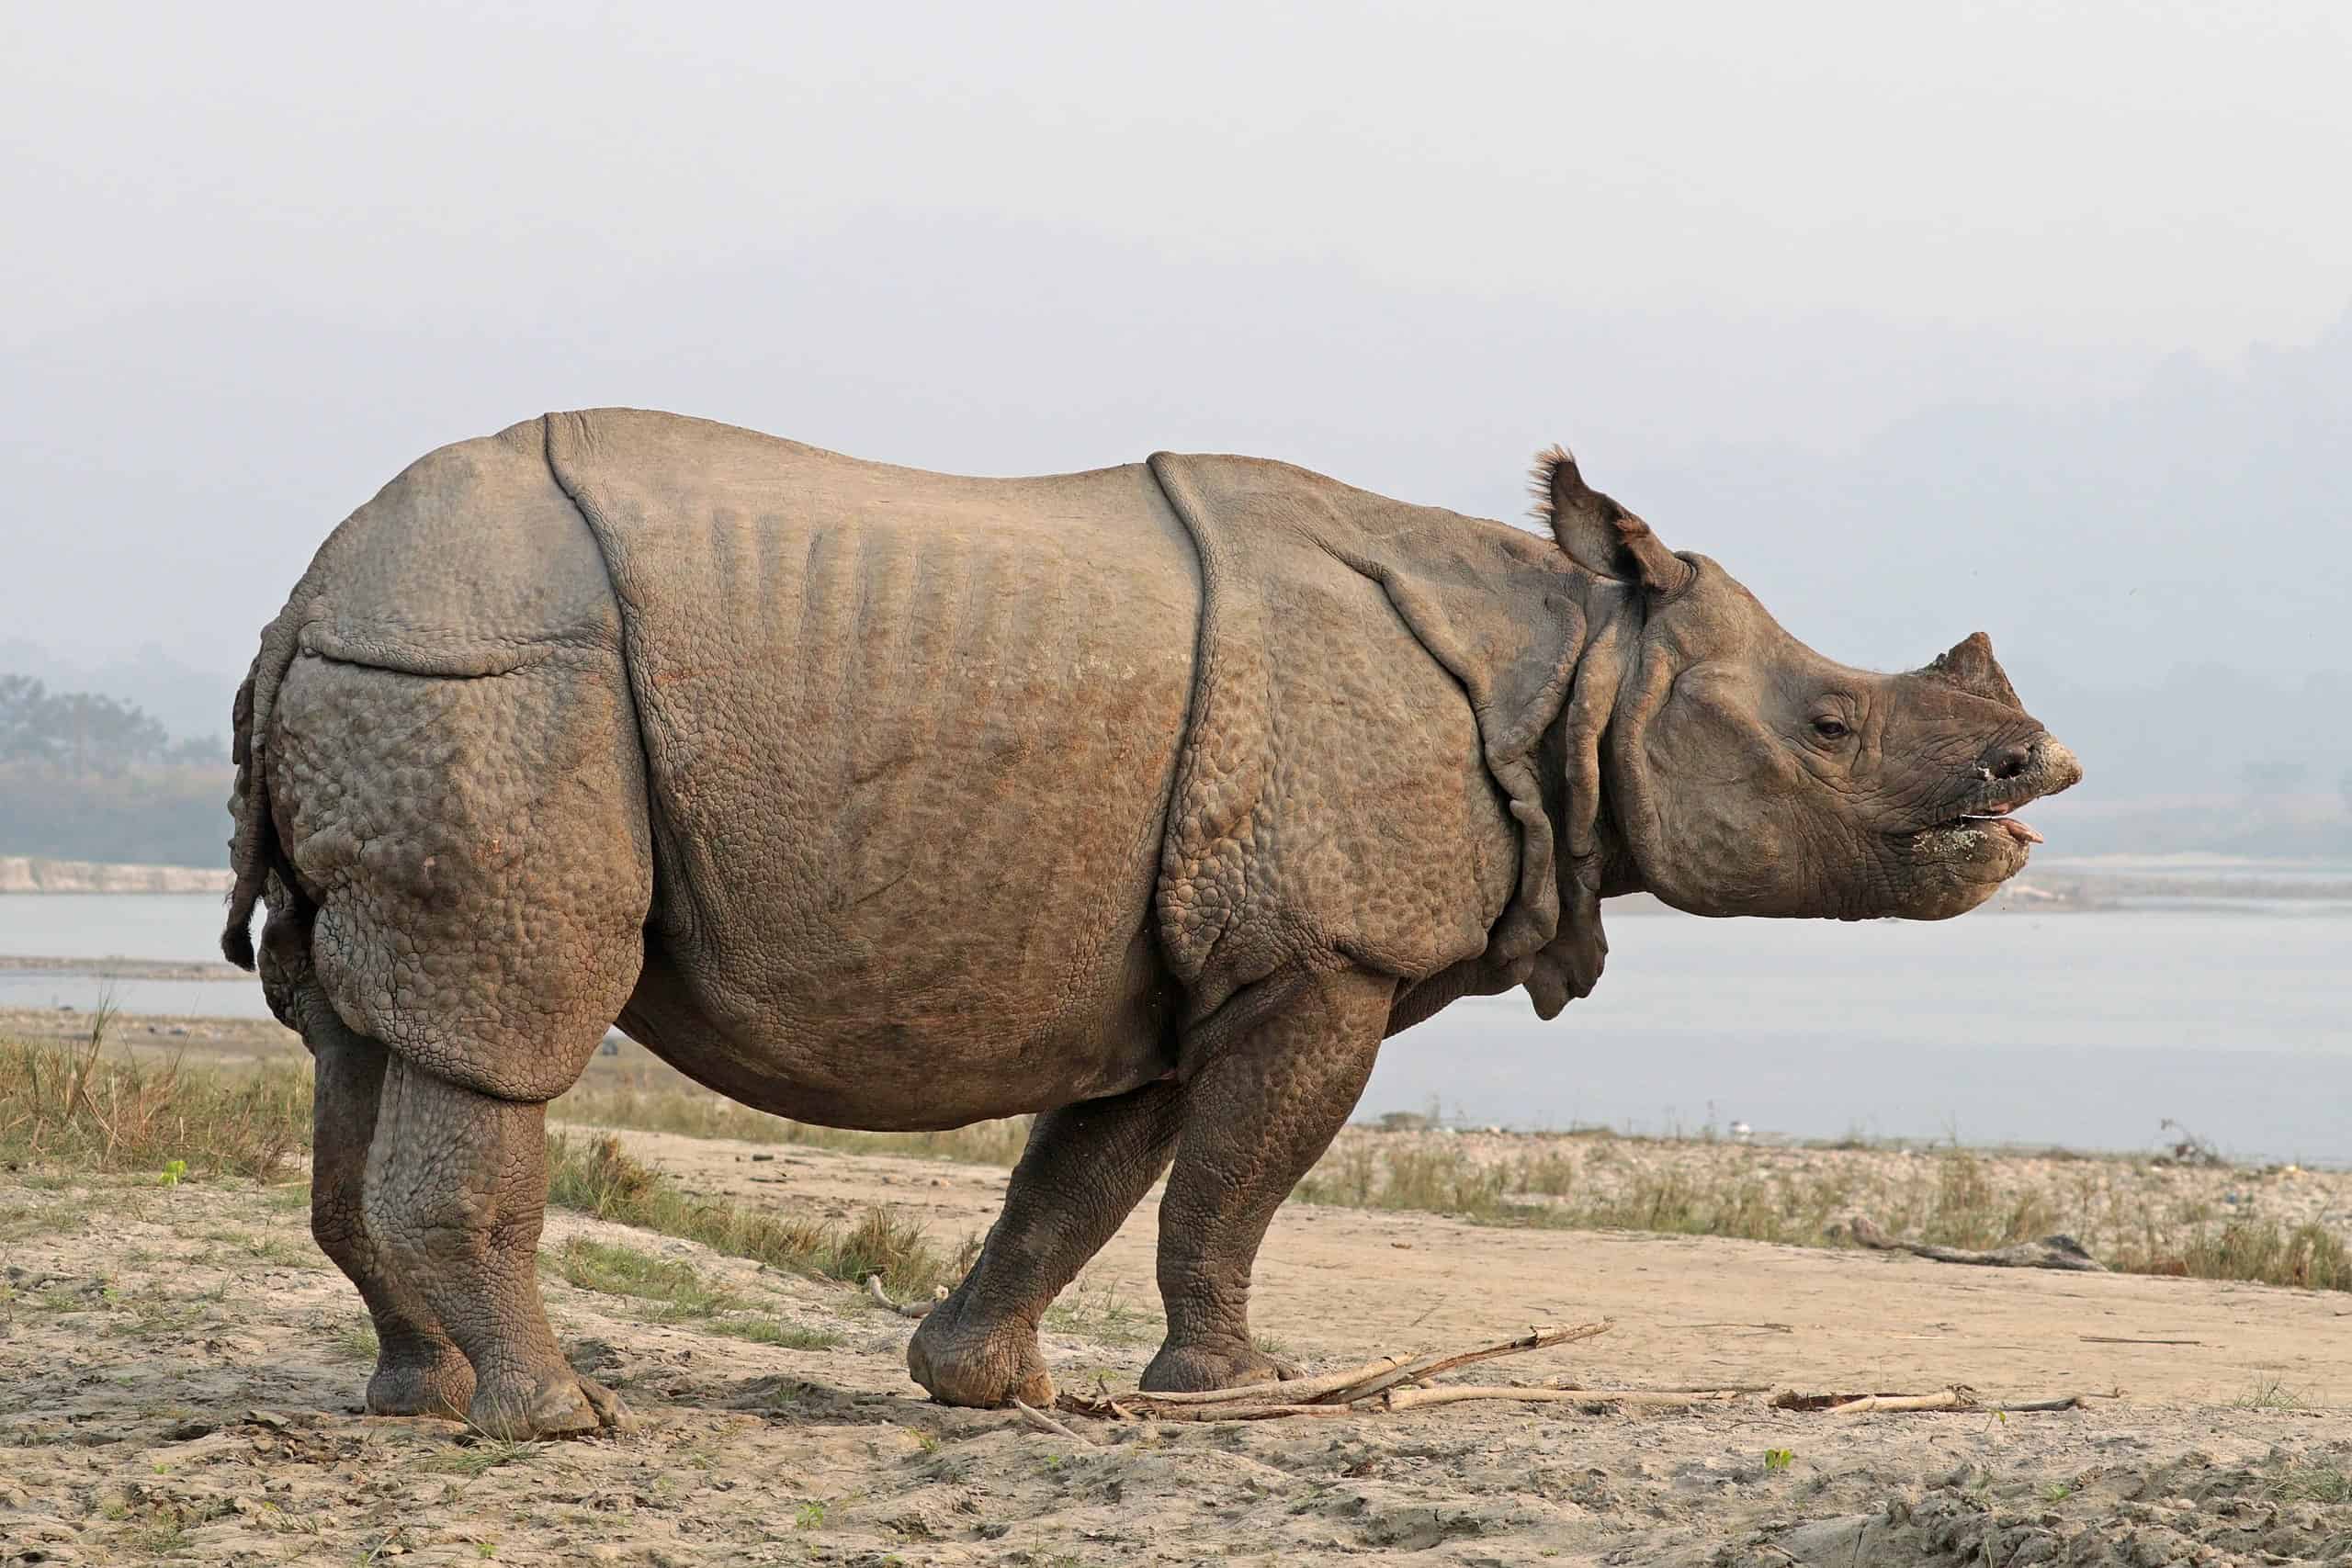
2008,762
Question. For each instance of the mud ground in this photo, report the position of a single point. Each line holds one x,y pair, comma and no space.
180,1372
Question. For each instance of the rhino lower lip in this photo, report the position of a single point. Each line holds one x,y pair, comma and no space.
2020,831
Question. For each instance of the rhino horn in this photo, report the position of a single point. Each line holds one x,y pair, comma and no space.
1969,664
1600,536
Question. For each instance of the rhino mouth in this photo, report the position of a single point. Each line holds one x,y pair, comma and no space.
1986,838
1996,818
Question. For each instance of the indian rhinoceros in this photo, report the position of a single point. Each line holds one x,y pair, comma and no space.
1148,800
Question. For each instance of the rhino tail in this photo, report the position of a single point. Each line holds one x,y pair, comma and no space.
253,850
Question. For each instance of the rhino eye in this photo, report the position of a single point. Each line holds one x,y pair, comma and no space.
1830,728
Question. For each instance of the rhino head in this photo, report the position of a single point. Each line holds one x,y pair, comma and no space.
1746,774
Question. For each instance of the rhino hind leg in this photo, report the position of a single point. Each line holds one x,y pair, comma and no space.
471,861
1259,1111
1085,1169
457,1191
419,1370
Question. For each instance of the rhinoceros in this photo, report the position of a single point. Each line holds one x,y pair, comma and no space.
1146,801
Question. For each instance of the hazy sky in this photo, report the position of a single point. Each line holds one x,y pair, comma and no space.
261,257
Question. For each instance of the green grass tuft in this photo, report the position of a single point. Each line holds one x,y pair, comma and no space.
598,1177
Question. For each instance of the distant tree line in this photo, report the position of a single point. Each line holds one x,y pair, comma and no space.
84,733
89,777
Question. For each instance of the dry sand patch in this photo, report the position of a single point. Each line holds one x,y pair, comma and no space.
178,1374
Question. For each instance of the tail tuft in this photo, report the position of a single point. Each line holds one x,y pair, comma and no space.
254,850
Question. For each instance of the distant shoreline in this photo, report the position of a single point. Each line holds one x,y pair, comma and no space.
114,967
2067,885
39,873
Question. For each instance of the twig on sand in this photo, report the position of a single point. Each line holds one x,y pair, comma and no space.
2112,1339
1299,1390
2050,1252
1044,1423
1333,1393
1950,1399
904,1309
1959,1396
1392,1384
1659,1398
1583,1398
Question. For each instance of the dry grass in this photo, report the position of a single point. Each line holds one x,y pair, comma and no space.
79,1108
1950,1198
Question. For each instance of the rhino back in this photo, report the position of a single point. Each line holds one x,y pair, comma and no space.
472,562
911,739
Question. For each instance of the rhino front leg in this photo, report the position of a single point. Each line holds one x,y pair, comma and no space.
457,1191
1260,1112
1084,1171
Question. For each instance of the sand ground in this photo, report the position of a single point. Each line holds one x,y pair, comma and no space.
180,1380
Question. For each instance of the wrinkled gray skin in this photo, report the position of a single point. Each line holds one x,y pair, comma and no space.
1148,800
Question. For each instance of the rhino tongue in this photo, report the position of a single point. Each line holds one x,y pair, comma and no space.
2018,831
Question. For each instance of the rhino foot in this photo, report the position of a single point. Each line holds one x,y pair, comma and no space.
556,1404
439,1384
986,1370
1190,1369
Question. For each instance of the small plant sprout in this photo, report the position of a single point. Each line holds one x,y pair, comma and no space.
1779,1459
174,1169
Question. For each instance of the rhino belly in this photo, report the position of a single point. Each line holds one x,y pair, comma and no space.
909,783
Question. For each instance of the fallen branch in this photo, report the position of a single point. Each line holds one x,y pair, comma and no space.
1119,1409
904,1309
1391,1383
1583,1398
1298,1391
2111,1340
1661,1398
1423,1368
1333,1393
2051,1252
1950,1399
1044,1423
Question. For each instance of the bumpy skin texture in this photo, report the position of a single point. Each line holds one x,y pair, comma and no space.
1148,800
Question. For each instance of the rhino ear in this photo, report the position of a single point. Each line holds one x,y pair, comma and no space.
1599,535
1970,665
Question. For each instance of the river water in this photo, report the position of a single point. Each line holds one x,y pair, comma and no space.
2081,1029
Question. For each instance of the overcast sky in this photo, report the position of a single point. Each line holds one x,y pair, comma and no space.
261,257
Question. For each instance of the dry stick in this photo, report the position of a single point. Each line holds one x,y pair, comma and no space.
1449,1394
1665,1398
1537,1339
1426,1367
1715,1388
1219,1412
1299,1390
1044,1423
904,1309
2111,1340
2072,1401
1334,1394
1950,1399
1408,1398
